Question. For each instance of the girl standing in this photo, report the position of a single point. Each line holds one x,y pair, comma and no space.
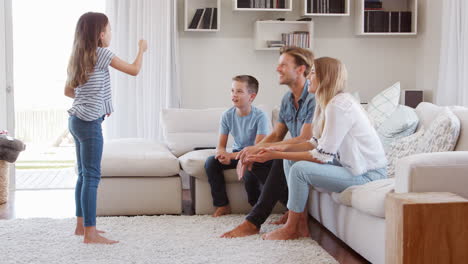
88,83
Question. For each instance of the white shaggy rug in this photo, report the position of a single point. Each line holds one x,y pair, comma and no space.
150,239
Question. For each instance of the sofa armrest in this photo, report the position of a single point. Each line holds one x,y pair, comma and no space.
433,172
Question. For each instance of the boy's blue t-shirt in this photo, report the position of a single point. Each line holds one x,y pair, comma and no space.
244,129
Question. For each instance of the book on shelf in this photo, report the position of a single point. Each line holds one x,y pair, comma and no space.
326,6
385,21
405,21
196,18
370,4
206,18
214,21
296,38
243,3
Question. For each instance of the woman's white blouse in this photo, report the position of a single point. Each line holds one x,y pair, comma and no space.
349,136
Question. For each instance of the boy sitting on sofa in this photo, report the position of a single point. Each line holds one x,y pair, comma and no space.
248,125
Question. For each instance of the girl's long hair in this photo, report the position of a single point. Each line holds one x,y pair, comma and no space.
87,39
331,75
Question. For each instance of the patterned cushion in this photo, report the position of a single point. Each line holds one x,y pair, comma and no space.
382,105
442,134
401,148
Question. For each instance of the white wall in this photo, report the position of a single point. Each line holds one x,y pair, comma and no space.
428,47
209,60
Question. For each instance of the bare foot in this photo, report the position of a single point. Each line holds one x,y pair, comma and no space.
303,228
282,233
79,231
223,210
98,239
282,220
246,228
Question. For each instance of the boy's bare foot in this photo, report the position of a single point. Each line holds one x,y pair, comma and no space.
282,220
246,228
223,210
282,233
303,227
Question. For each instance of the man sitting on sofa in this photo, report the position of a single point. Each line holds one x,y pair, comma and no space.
295,116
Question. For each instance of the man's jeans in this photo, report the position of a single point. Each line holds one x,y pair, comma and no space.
88,144
275,188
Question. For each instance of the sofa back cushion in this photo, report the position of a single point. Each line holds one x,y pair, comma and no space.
402,123
186,129
427,112
462,114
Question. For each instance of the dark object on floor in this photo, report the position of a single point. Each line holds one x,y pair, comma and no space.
10,148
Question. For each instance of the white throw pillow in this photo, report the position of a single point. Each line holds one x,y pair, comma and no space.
402,123
382,105
401,148
442,134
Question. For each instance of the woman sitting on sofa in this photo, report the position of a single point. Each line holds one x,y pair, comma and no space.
345,149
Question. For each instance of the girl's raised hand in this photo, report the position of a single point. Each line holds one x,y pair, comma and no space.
143,45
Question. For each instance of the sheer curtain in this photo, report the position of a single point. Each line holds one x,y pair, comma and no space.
139,100
453,72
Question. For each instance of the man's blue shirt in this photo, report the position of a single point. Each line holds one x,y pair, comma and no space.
294,118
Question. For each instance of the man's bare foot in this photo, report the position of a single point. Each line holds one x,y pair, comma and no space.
246,228
282,220
222,210
282,233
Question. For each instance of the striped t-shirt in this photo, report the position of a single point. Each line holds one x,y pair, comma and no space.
94,99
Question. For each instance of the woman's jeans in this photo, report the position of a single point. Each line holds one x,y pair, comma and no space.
331,177
88,144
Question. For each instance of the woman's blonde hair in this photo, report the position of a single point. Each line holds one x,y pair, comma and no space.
87,39
331,75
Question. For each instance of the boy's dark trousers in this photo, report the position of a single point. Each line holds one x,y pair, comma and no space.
275,188
214,170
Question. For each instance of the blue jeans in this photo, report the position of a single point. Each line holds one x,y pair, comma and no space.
89,144
331,177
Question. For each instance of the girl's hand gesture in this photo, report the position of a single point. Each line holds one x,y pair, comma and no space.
142,45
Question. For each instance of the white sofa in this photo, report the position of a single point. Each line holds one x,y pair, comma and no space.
362,225
157,189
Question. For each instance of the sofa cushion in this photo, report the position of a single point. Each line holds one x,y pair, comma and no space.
193,163
442,134
186,129
382,105
400,148
137,157
401,123
462,114
368,198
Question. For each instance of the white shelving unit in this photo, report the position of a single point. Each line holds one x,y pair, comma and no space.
306,4
288,4
272,30
388,5
191,7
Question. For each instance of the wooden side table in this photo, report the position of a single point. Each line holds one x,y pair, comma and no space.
426,228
